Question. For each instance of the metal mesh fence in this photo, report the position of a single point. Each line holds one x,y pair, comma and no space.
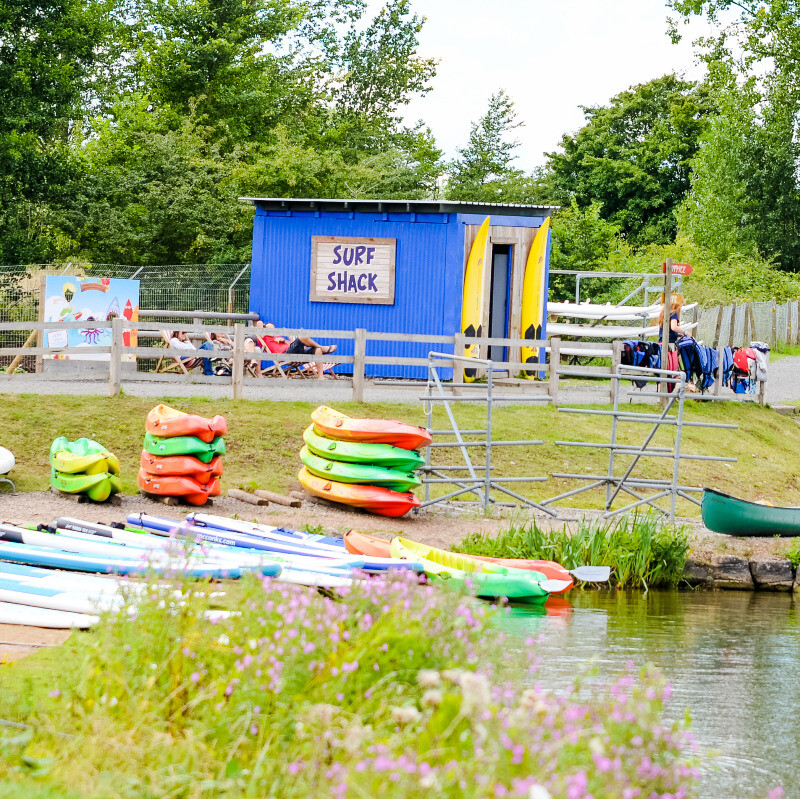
172,287
737,325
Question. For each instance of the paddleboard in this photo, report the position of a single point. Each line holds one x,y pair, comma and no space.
56,598
534,297
474,292
15,614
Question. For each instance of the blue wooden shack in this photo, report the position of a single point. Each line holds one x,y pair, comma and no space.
394,266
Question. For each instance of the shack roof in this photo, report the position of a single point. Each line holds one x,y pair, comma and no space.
408,206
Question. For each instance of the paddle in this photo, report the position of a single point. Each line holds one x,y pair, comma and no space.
553,585
592,574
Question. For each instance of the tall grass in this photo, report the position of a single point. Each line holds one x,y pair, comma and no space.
387,690
640,549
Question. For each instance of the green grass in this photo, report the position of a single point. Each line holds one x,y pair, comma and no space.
391,690
782,350
264,438
641,551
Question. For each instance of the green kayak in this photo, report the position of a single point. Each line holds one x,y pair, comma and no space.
364,474
725,514
479,578
381,455
82,455
184,446
98,487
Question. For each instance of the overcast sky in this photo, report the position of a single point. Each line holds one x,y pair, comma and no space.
550,57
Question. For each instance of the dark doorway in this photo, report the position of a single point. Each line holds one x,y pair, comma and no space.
498,299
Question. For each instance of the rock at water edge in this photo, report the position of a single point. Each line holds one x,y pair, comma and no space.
731,572
772,573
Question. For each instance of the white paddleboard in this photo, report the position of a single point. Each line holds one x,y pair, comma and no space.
16,614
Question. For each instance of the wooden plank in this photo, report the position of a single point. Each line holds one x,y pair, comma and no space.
17,358
115,360
246,497
359,362
555,364
731,343
40,351
774,338
718,328
237,373
41,325
279,499
408,337
40,334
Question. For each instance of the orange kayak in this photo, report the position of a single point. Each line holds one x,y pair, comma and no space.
181,465
365,545
165,421
179,486
335,425
371,498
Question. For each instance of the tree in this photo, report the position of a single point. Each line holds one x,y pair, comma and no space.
483,170
633,157
47,51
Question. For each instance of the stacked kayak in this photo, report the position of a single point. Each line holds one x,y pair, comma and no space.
364,463
181,455
84,467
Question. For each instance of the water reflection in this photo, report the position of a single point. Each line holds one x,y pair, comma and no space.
733,658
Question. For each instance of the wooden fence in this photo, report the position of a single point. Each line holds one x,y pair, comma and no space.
115,372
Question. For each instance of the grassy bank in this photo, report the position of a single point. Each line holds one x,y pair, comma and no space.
391,690
264,438
641,551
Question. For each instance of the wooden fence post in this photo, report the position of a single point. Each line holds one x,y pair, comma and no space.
115,362
732,343
774,338
788,322
747,325
720,361
616,360
458,366
555,364
359,364
718,329
237,374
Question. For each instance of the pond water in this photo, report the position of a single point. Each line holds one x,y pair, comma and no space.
733,659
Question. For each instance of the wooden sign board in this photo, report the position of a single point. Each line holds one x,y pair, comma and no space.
350,269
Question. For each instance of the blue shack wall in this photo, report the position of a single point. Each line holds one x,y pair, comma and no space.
429,277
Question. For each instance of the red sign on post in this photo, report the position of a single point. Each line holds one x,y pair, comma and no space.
682,269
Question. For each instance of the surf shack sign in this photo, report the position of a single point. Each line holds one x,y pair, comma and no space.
349,269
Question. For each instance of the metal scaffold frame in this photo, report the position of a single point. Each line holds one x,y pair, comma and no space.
479,480
626,482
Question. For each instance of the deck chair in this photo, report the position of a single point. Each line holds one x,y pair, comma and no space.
306,369
175,363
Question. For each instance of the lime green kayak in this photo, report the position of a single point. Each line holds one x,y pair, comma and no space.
481,579
98,487
364,474
82,455
381,455
184,446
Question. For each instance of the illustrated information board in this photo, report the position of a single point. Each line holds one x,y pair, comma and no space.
90,300
349,269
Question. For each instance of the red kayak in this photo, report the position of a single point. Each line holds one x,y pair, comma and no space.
371,498
363,544
190,490
335,425
181,465
166,422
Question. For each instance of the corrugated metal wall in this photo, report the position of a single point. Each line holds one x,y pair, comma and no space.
428,279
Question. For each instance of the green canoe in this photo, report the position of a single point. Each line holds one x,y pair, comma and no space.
184,446
98,487
364,474
381,455
725,514
82,455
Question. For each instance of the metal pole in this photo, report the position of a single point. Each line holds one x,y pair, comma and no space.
616,381
676,465
666,323
429,424
487,470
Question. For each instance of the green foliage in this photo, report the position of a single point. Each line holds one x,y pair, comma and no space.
641,551
633,157
793,554
583,240
383,691
483,170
